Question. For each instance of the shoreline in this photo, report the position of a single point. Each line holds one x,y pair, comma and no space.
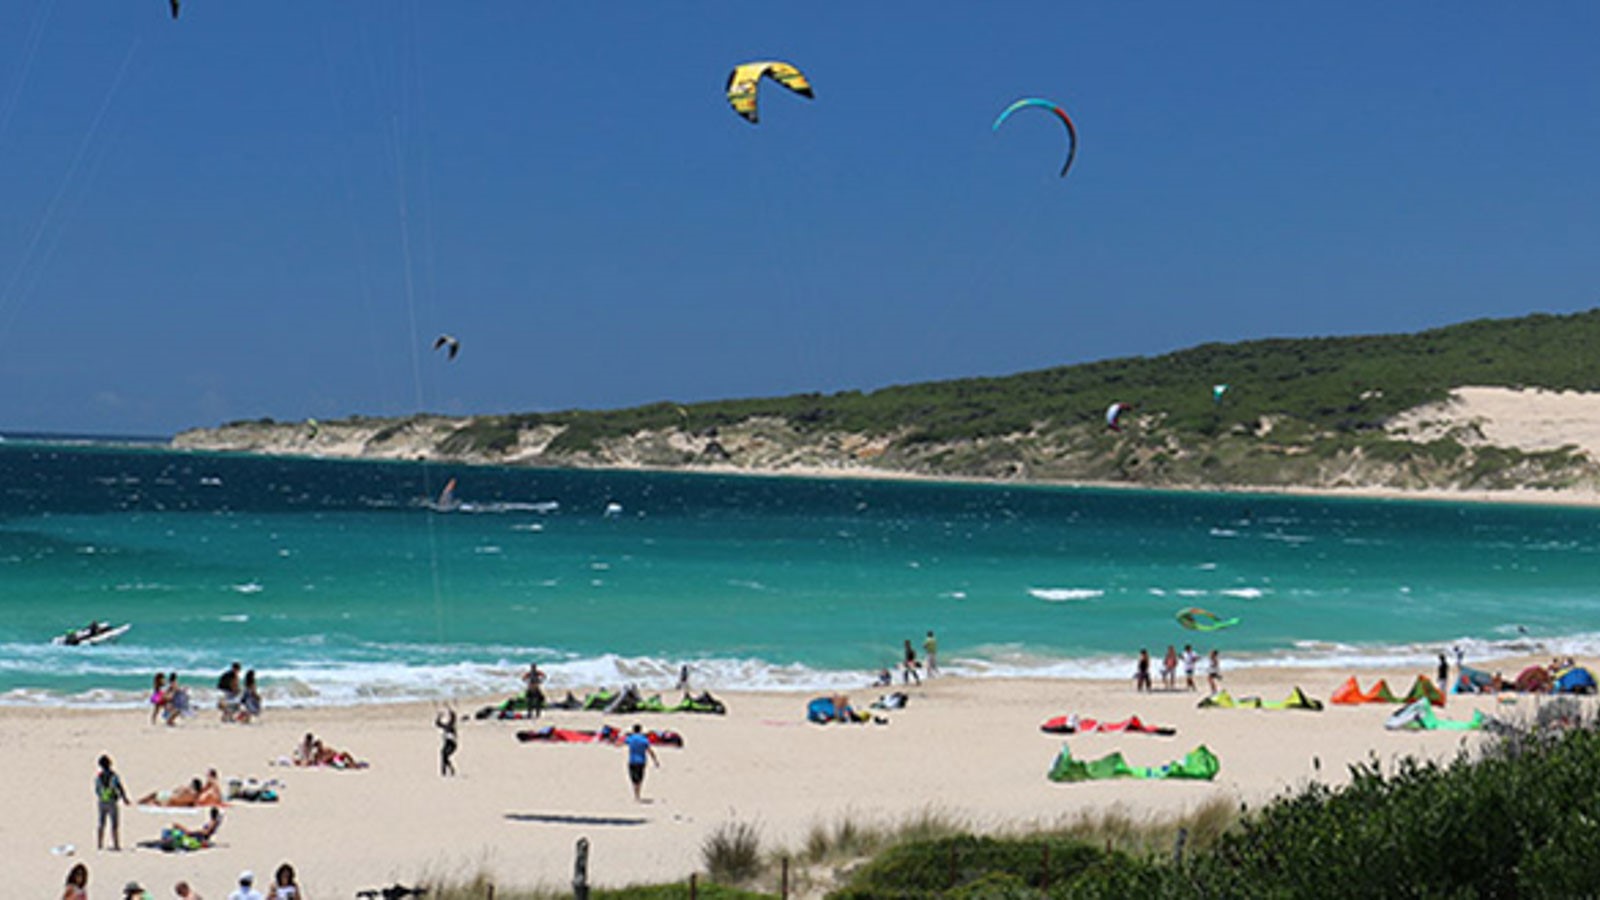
965,750
1528,497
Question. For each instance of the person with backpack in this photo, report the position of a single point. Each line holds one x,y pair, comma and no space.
108,790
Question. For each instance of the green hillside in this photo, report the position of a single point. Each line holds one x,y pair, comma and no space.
1298,411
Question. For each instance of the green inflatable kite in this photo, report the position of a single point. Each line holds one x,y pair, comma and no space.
1200,764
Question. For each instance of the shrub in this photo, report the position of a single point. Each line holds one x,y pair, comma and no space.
732,853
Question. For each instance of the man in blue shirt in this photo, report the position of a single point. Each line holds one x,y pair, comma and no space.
639,748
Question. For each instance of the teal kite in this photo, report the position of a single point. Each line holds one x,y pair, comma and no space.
1072,131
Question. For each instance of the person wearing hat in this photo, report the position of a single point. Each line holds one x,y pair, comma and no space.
246,890
133,890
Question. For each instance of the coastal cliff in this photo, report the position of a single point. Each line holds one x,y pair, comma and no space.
1506,405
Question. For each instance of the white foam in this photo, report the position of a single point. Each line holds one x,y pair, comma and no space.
250,587
1248,593
1061,595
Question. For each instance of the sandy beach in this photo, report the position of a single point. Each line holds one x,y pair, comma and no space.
967,749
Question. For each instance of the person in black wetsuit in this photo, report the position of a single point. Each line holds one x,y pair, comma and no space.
446,723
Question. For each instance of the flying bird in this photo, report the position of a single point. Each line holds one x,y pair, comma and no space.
445,340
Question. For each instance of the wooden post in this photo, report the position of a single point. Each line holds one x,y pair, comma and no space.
580,871
1177,847
783,882
694,886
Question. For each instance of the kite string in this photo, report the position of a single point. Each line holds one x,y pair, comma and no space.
30,44
9,299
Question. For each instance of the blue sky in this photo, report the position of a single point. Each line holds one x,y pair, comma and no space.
270,209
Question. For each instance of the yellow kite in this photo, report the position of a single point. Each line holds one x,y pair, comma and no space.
743,79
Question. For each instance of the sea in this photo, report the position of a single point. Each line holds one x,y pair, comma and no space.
347,582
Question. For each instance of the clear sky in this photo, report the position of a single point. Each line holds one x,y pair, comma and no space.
272,208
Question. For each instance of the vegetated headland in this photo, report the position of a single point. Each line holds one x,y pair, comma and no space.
1464,408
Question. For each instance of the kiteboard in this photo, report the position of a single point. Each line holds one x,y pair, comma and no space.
89,635
1196,619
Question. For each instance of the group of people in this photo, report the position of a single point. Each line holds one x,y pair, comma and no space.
909,663
1169,669
285,886
169,700
239,700
311,751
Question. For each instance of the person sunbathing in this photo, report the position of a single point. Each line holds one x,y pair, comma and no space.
196,793
187,795
177,837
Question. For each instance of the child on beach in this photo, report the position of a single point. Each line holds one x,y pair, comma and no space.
108,790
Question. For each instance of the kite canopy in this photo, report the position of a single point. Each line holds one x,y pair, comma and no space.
1196,619
1217,390
1072,131
1419,716
1200,763
1114,415
742,82
1297,699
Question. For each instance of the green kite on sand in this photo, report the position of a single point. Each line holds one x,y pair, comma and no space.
1419,716
1297,700
1200,764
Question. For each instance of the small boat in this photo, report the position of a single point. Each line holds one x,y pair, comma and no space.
91,634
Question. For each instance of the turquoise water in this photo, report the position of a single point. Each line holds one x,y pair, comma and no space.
339,584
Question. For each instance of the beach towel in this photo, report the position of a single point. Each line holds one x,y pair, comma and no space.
1199,764
1075,724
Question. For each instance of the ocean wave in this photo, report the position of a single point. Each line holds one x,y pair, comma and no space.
498,670
1060,595
1247,593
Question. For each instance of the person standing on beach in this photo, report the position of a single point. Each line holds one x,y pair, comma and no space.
1169,669
638,749
228,687
930,649
1141,672
1444,673
108,790
446,723
1190,658
910,670
534,679
1214,671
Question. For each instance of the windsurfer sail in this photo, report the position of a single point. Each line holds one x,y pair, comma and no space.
1196,619
447,498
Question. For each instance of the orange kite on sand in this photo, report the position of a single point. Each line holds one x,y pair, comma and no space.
1350,693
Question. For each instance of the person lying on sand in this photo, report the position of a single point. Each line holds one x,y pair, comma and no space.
186,795
197,792
313,752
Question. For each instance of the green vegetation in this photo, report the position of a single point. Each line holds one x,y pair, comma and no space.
1520,819
1340,385
1309,412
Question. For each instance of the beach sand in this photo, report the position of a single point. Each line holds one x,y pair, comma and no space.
967,749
